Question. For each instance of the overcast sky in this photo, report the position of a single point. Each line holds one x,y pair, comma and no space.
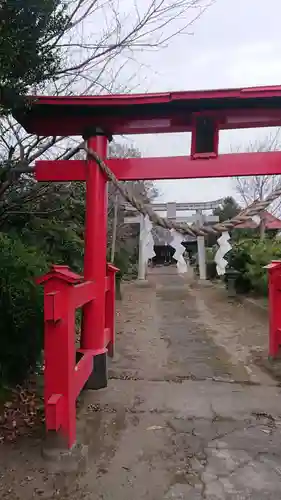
236,43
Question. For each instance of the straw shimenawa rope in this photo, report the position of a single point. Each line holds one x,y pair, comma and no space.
254,209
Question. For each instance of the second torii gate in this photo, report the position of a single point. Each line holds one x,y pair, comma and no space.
97,118
171,209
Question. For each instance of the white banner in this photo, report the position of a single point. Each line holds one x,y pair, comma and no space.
176,243
224,247
147,240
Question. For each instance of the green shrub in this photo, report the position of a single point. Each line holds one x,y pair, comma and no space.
249,258
262,253
21,308
239,258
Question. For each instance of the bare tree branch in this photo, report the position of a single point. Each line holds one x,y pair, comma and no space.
99,43
257,187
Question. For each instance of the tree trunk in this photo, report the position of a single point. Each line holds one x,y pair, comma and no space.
262,230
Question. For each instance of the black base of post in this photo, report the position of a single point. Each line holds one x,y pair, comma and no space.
99,376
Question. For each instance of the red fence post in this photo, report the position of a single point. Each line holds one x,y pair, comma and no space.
93,326
59,353
274,295
110,308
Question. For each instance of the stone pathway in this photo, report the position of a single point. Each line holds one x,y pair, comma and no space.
186,414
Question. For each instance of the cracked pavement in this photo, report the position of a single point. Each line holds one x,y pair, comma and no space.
186,414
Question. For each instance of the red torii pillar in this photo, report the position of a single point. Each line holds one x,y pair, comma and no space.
93,332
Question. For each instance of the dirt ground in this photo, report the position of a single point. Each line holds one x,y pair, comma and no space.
188,413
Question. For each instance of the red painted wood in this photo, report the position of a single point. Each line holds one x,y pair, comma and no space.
171,121
107,335
158,97
63,294
83,293
59,353
92,334
274,294
60,272
54,412
151,113
60,170
107,283
52,306
181,167
176,167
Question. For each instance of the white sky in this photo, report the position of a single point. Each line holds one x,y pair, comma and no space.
236,43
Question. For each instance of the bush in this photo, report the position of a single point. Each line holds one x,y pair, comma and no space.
249,258
21,309
262,254
239,258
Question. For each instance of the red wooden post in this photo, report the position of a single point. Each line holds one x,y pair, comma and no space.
110,308
93,329
274,295
59,352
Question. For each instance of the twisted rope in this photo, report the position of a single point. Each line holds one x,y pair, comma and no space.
245,215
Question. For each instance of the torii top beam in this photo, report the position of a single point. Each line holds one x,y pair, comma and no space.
162,207
152,113
203,113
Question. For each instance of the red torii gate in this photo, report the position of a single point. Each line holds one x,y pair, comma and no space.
97,118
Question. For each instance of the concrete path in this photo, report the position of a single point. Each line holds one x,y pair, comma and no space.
183,416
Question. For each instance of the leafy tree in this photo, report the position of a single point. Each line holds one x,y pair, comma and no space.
28,55
228,210
21,308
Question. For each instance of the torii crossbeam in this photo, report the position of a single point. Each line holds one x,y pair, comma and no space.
96,119
203,113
